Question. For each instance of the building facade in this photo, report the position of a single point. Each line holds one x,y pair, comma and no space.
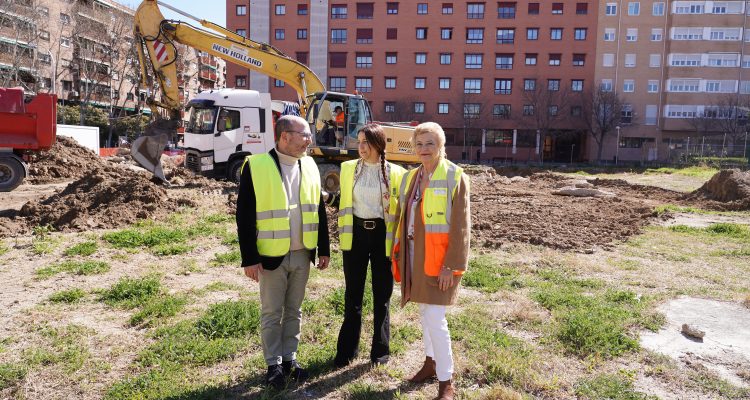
503,77
681,70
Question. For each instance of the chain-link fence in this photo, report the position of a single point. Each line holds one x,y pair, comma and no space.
719,150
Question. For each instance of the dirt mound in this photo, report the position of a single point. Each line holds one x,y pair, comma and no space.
66,160
730,186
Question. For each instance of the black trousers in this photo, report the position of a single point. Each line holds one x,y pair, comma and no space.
368,245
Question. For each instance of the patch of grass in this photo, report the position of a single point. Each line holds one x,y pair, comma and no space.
695,171
3,248
231,258
486,275
712,383
561,277
685,229
366,391
402,336
735,231
219,218
157,308
131,292
230,239
171,249
155,236
609,387
67,296
625,264
66,347
336,300
82,249
10,374
168,381
229,319
73,267
221,287
745,252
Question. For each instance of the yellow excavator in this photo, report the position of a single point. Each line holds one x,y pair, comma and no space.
226,125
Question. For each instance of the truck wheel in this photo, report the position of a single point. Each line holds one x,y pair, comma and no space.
329,177
11,173
234,170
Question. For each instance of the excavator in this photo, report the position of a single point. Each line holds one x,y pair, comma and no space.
228,124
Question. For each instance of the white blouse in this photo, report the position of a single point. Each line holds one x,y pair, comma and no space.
366,197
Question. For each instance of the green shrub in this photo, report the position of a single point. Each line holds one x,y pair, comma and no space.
131,292
82,249
67,296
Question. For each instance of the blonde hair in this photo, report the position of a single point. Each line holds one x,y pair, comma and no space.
430,127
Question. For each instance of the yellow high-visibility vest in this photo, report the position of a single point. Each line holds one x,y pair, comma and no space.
346,211
272,206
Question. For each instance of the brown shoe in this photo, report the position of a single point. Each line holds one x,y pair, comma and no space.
427,371
445,390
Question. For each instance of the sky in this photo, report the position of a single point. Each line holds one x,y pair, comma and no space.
211,10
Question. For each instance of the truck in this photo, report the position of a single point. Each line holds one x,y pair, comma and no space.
227,125
25,128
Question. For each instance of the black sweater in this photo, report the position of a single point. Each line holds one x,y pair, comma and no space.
246,230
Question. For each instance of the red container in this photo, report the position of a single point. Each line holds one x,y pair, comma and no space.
31,126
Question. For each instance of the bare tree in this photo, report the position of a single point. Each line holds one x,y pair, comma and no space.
731,114
20,22
546,108
703,123
602,113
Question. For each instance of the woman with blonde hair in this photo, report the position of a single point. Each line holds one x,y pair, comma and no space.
431,248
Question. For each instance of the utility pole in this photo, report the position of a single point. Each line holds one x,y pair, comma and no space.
617,145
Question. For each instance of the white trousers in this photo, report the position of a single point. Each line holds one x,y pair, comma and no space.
437,339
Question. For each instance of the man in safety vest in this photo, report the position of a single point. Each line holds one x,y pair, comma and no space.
281,222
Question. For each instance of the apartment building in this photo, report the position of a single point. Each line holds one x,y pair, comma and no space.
503,77
680,68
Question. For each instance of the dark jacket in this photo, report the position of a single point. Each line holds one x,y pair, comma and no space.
246,230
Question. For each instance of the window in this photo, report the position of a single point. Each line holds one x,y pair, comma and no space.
421,33
447,8
44,35
280,9
626,115
338,35
391,8
576,111
555,33
553,110
446,33
656,34
685,60
471,110
241,10
337,60
684,85
609,34
475,10
501,111
338,11
530,58
608,60
688,8
528,110
391,33
364,60
579,60
445,58
504,61
657,9
472,86
337,84
364,36
302,56
442,108
503,86
302,34
279,34
444,83
725,33
629,60
610,9
473,61
65,41
653,86
634,8
532,33
419,108
654,60
422,8
278,83
557,8
651,112
582,8
628,85
533,9
65,19
390,58
723,60
474,35
242,32
240,80
301,9
506,10
553,85
576,85
364,10
45,58
606,85
390,82
419,83
128,97
580,33
363,84
529,85
555,59
506,36
390,107
631,35
420,58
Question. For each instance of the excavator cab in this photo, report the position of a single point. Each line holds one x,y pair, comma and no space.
333,132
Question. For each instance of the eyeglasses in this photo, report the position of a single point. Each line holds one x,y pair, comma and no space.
305,135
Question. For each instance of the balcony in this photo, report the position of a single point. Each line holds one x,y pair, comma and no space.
209,76
209,61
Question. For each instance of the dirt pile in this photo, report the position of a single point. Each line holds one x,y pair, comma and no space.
66,160
730,187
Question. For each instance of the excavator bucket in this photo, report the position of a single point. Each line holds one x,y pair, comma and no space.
147,149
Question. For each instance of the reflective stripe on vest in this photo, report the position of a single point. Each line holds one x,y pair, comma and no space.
272,221
346,211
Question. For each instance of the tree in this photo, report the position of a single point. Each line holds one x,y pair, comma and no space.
702,123
546,108
730,115
602,113
20,21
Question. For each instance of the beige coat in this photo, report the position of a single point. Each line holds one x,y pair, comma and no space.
418,287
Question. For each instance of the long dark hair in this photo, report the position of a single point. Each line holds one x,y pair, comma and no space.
375,136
